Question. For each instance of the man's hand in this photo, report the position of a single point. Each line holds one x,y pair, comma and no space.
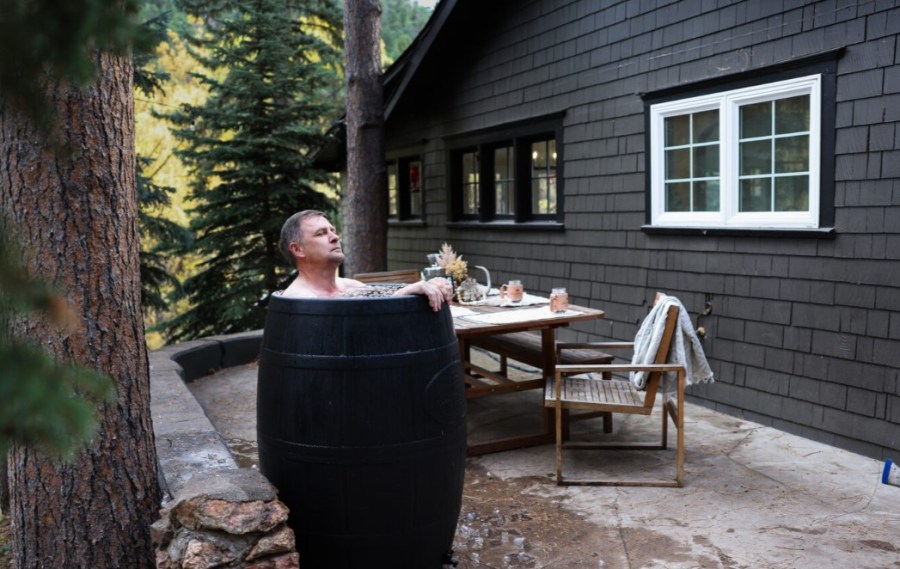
438,291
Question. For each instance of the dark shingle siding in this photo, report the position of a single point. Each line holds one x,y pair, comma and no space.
804,332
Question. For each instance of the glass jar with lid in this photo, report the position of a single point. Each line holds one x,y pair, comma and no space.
559,300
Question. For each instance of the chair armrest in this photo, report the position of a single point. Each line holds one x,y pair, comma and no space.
567,369
599,346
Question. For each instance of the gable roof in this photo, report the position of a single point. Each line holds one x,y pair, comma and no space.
396,80
398,76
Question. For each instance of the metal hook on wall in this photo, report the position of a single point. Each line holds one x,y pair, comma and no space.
707,310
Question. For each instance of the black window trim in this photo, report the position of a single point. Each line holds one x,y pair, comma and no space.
401,158
824,64
519,135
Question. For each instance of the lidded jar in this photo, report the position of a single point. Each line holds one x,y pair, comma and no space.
559,300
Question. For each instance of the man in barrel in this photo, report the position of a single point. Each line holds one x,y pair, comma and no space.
310,242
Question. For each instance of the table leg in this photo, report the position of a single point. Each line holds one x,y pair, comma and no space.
548,347
548,434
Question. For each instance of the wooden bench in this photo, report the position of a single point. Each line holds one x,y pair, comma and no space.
525,347
407,276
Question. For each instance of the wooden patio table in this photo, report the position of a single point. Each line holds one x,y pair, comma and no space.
481,382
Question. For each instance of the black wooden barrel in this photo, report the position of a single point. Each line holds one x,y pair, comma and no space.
361,428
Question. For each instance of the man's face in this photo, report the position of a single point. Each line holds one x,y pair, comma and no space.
320,243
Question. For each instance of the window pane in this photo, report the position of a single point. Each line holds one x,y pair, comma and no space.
706,161
756,194
502,159
504,197
706,126
792,154
392,189
504,180
792,115
706,195
792,193
756,158
543,196
539,155
543,176
697,158
678,164
678,196
756,120
470,183
678,130
415,188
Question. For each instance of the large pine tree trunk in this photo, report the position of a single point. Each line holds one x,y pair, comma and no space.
75,211
364,204
4,486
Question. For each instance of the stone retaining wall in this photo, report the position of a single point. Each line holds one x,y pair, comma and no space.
214,514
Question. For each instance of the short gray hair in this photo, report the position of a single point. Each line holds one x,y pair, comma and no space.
292,231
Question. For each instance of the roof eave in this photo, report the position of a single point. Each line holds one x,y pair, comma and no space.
408,64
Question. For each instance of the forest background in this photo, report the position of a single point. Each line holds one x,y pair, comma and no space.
230,104
216,175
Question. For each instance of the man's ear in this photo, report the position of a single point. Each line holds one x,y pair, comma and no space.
297,250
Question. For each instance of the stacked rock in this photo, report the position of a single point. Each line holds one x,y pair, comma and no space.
227,518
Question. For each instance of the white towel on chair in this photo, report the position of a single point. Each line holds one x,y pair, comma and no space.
685,350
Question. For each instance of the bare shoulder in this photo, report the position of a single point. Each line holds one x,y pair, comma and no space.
298,290
348,284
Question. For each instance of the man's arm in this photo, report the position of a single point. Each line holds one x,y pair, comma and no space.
437,290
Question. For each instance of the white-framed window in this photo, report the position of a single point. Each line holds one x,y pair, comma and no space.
743,158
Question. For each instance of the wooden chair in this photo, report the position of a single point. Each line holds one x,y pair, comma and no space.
567,392
401,276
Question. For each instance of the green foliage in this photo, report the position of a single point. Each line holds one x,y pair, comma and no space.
167,10
270,72
43,403
148,79
401,21
46,38
160,236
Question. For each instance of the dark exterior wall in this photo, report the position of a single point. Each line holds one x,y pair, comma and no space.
804,331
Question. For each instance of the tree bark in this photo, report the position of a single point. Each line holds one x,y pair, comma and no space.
4,486
74,207
364,205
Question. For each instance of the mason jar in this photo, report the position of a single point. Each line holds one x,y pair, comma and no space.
559,300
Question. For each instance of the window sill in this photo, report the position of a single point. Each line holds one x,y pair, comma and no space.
818,233
508,225
406,223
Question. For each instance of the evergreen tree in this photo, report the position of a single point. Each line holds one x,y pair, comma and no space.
40,39
401,22
270,70
159,236
74,208
43,403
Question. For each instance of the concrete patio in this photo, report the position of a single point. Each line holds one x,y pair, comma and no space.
754,497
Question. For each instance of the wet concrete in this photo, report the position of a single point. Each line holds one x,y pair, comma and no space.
754,497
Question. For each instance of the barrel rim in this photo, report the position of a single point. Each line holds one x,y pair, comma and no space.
353,305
